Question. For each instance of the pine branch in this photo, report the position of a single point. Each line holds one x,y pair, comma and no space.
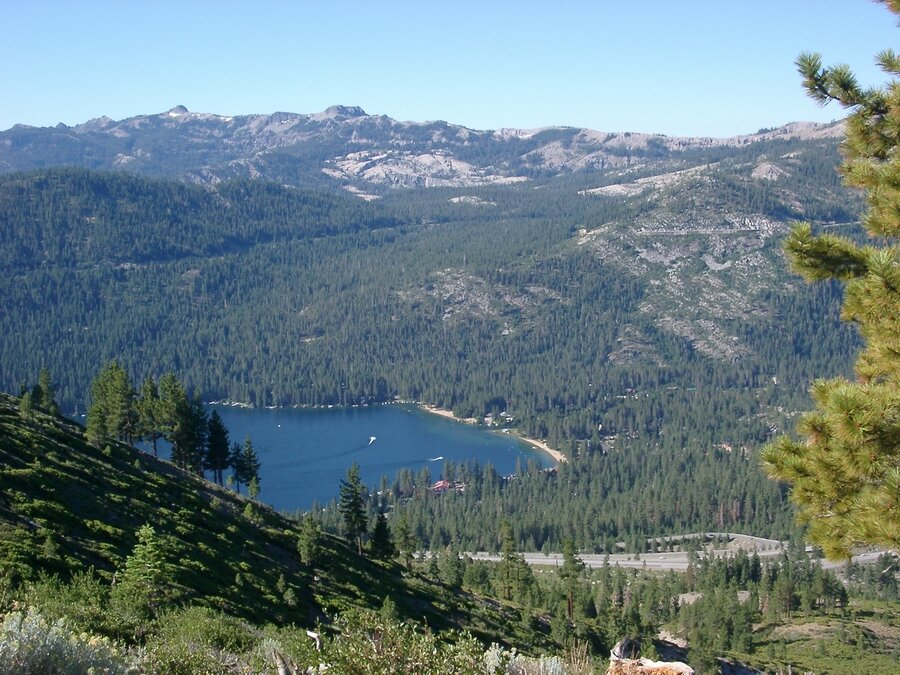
809,64
888,61
826,256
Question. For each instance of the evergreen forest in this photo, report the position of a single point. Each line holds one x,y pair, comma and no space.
633,333
636,314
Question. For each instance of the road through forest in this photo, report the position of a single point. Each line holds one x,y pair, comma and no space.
678,561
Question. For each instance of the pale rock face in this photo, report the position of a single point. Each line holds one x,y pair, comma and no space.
471,199
648,667
768,171
338,112
407,169
623,661
657,182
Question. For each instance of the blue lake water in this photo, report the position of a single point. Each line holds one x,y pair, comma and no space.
306,452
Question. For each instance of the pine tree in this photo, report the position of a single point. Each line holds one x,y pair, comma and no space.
26,405
248,467
189,436
310,541
183,423
149,412
514,578
173,401
405,540
352,505
381,544
236,462
217,447
47,398
171,395
452,568
112,413
253,487
145,580
570,573
845,474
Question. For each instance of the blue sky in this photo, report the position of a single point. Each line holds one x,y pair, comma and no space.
678,67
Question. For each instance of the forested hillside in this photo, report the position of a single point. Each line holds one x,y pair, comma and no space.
638,308
518,297
604,503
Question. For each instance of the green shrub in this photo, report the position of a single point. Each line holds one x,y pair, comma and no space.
197,640
370,644
207,626
81,602
181,658
251,512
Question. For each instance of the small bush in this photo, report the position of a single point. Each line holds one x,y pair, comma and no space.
81,602
292,646
207,626
197,640
370,644
31,644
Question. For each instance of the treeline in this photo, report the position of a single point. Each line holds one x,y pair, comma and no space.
723,605
599,606
605,501
199,442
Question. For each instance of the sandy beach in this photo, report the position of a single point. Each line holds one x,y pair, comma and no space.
540,445
443,412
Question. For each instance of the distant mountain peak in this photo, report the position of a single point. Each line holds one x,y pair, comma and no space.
177,111
339,112
96,124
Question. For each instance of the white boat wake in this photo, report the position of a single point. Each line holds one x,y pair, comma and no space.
436,459
371,440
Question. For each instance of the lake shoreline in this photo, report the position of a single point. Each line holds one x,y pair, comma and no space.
554,454
534,442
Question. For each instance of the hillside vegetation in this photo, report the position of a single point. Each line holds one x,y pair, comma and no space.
73,510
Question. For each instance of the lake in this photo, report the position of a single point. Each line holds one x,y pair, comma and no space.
306,452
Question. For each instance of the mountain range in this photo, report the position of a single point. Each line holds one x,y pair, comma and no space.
344,146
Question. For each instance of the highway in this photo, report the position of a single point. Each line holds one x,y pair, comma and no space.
678,561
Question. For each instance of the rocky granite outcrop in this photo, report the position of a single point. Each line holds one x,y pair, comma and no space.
623,660
648,667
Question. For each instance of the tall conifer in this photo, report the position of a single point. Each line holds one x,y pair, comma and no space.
845,472
217,446
112,413
47,391
381,544
352,505
149,411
